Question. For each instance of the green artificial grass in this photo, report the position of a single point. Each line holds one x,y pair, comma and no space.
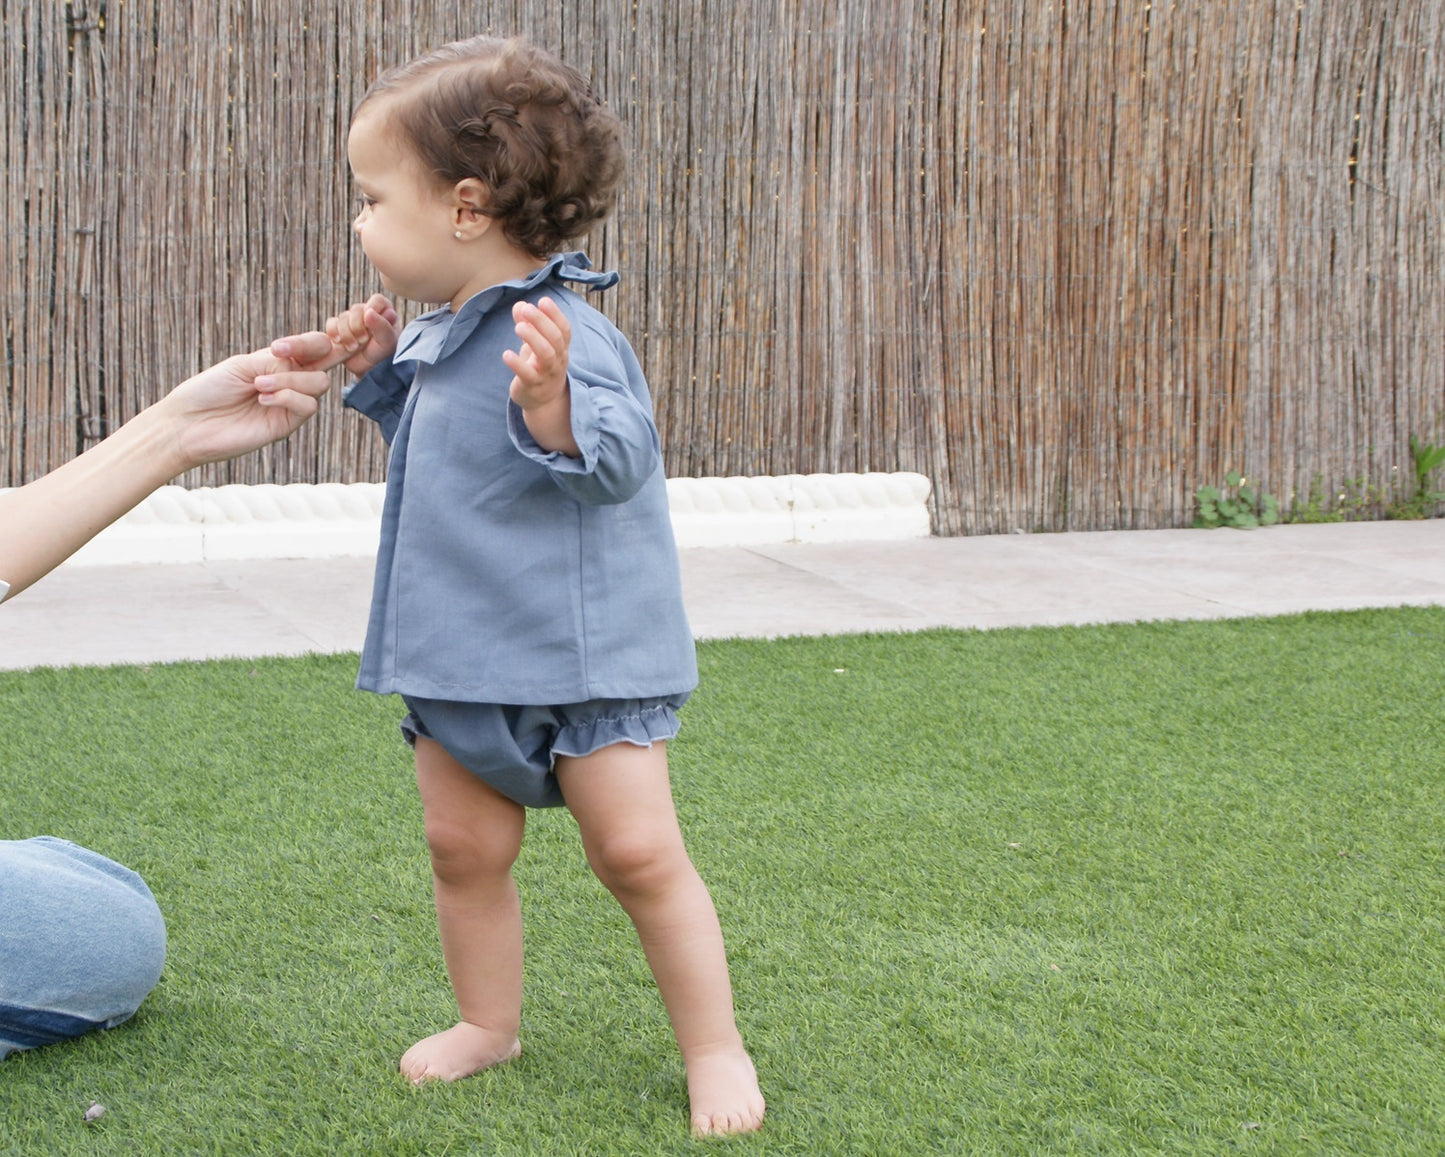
1171,888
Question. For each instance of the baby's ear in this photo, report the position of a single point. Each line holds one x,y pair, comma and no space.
470,198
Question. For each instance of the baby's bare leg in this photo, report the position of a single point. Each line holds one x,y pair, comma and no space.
623,803
474,834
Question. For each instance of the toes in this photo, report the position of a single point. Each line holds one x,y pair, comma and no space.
725,1124
416,1072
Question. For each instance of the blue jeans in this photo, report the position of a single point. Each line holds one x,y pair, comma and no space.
82,942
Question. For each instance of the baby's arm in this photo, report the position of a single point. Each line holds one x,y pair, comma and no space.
539,386
608,413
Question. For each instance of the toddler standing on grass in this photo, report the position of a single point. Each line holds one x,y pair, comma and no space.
527,602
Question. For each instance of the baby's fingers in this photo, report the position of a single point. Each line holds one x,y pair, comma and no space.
348,330
381,328
547,318
543,329
380,304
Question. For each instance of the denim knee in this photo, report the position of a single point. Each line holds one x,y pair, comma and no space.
82,942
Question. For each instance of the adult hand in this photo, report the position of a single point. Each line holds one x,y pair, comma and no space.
247,401
241,404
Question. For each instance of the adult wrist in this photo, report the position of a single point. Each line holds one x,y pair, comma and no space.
158,434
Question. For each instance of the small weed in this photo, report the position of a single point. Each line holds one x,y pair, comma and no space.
1239,506
1316,506
1362,499
1425,458
1359,499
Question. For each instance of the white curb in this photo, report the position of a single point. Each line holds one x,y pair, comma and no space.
798,508
331,520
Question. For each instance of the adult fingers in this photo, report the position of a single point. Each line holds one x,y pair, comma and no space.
293,388
313,350
300,405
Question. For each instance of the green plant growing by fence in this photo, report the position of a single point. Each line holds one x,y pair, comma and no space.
1358,500
1238,505
1315,506
1426,458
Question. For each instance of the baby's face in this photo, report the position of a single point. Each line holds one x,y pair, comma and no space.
406,222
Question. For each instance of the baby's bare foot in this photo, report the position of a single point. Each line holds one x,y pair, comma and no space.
723,1090
458,1052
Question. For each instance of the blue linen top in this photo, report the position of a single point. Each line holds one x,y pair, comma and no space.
507,573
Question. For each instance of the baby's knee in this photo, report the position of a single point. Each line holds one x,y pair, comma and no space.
637,862
457,853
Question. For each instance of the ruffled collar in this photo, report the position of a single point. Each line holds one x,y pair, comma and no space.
435,334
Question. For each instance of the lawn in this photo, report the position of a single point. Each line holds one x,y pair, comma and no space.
1169,888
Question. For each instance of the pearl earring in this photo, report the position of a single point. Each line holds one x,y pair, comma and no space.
458,234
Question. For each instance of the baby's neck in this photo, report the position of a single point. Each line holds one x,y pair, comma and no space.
498,261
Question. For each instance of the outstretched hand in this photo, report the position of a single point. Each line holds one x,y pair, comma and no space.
539,368
247,401
236,406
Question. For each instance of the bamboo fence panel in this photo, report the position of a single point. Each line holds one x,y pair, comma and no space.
1071,260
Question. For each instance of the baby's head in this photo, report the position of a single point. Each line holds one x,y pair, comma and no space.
517,119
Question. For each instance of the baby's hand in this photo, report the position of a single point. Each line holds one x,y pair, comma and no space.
360,338
364,335
540,365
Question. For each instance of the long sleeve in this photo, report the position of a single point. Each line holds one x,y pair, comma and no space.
381,394
612,424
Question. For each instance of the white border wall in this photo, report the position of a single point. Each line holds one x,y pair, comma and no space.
176,525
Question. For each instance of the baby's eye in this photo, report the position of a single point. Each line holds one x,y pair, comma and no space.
367,202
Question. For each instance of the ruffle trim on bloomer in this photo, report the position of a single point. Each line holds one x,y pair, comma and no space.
654,724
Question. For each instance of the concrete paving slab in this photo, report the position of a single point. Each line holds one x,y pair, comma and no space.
790,590
162,613
1282,570
1122,576
955,580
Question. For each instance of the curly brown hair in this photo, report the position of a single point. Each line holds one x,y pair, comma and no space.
520,121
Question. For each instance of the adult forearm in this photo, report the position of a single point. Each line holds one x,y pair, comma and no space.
45,522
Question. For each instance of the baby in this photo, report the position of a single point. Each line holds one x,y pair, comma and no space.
527,603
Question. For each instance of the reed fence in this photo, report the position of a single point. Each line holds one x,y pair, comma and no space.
1070,260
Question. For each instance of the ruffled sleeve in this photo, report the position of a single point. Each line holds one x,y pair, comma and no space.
611,417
